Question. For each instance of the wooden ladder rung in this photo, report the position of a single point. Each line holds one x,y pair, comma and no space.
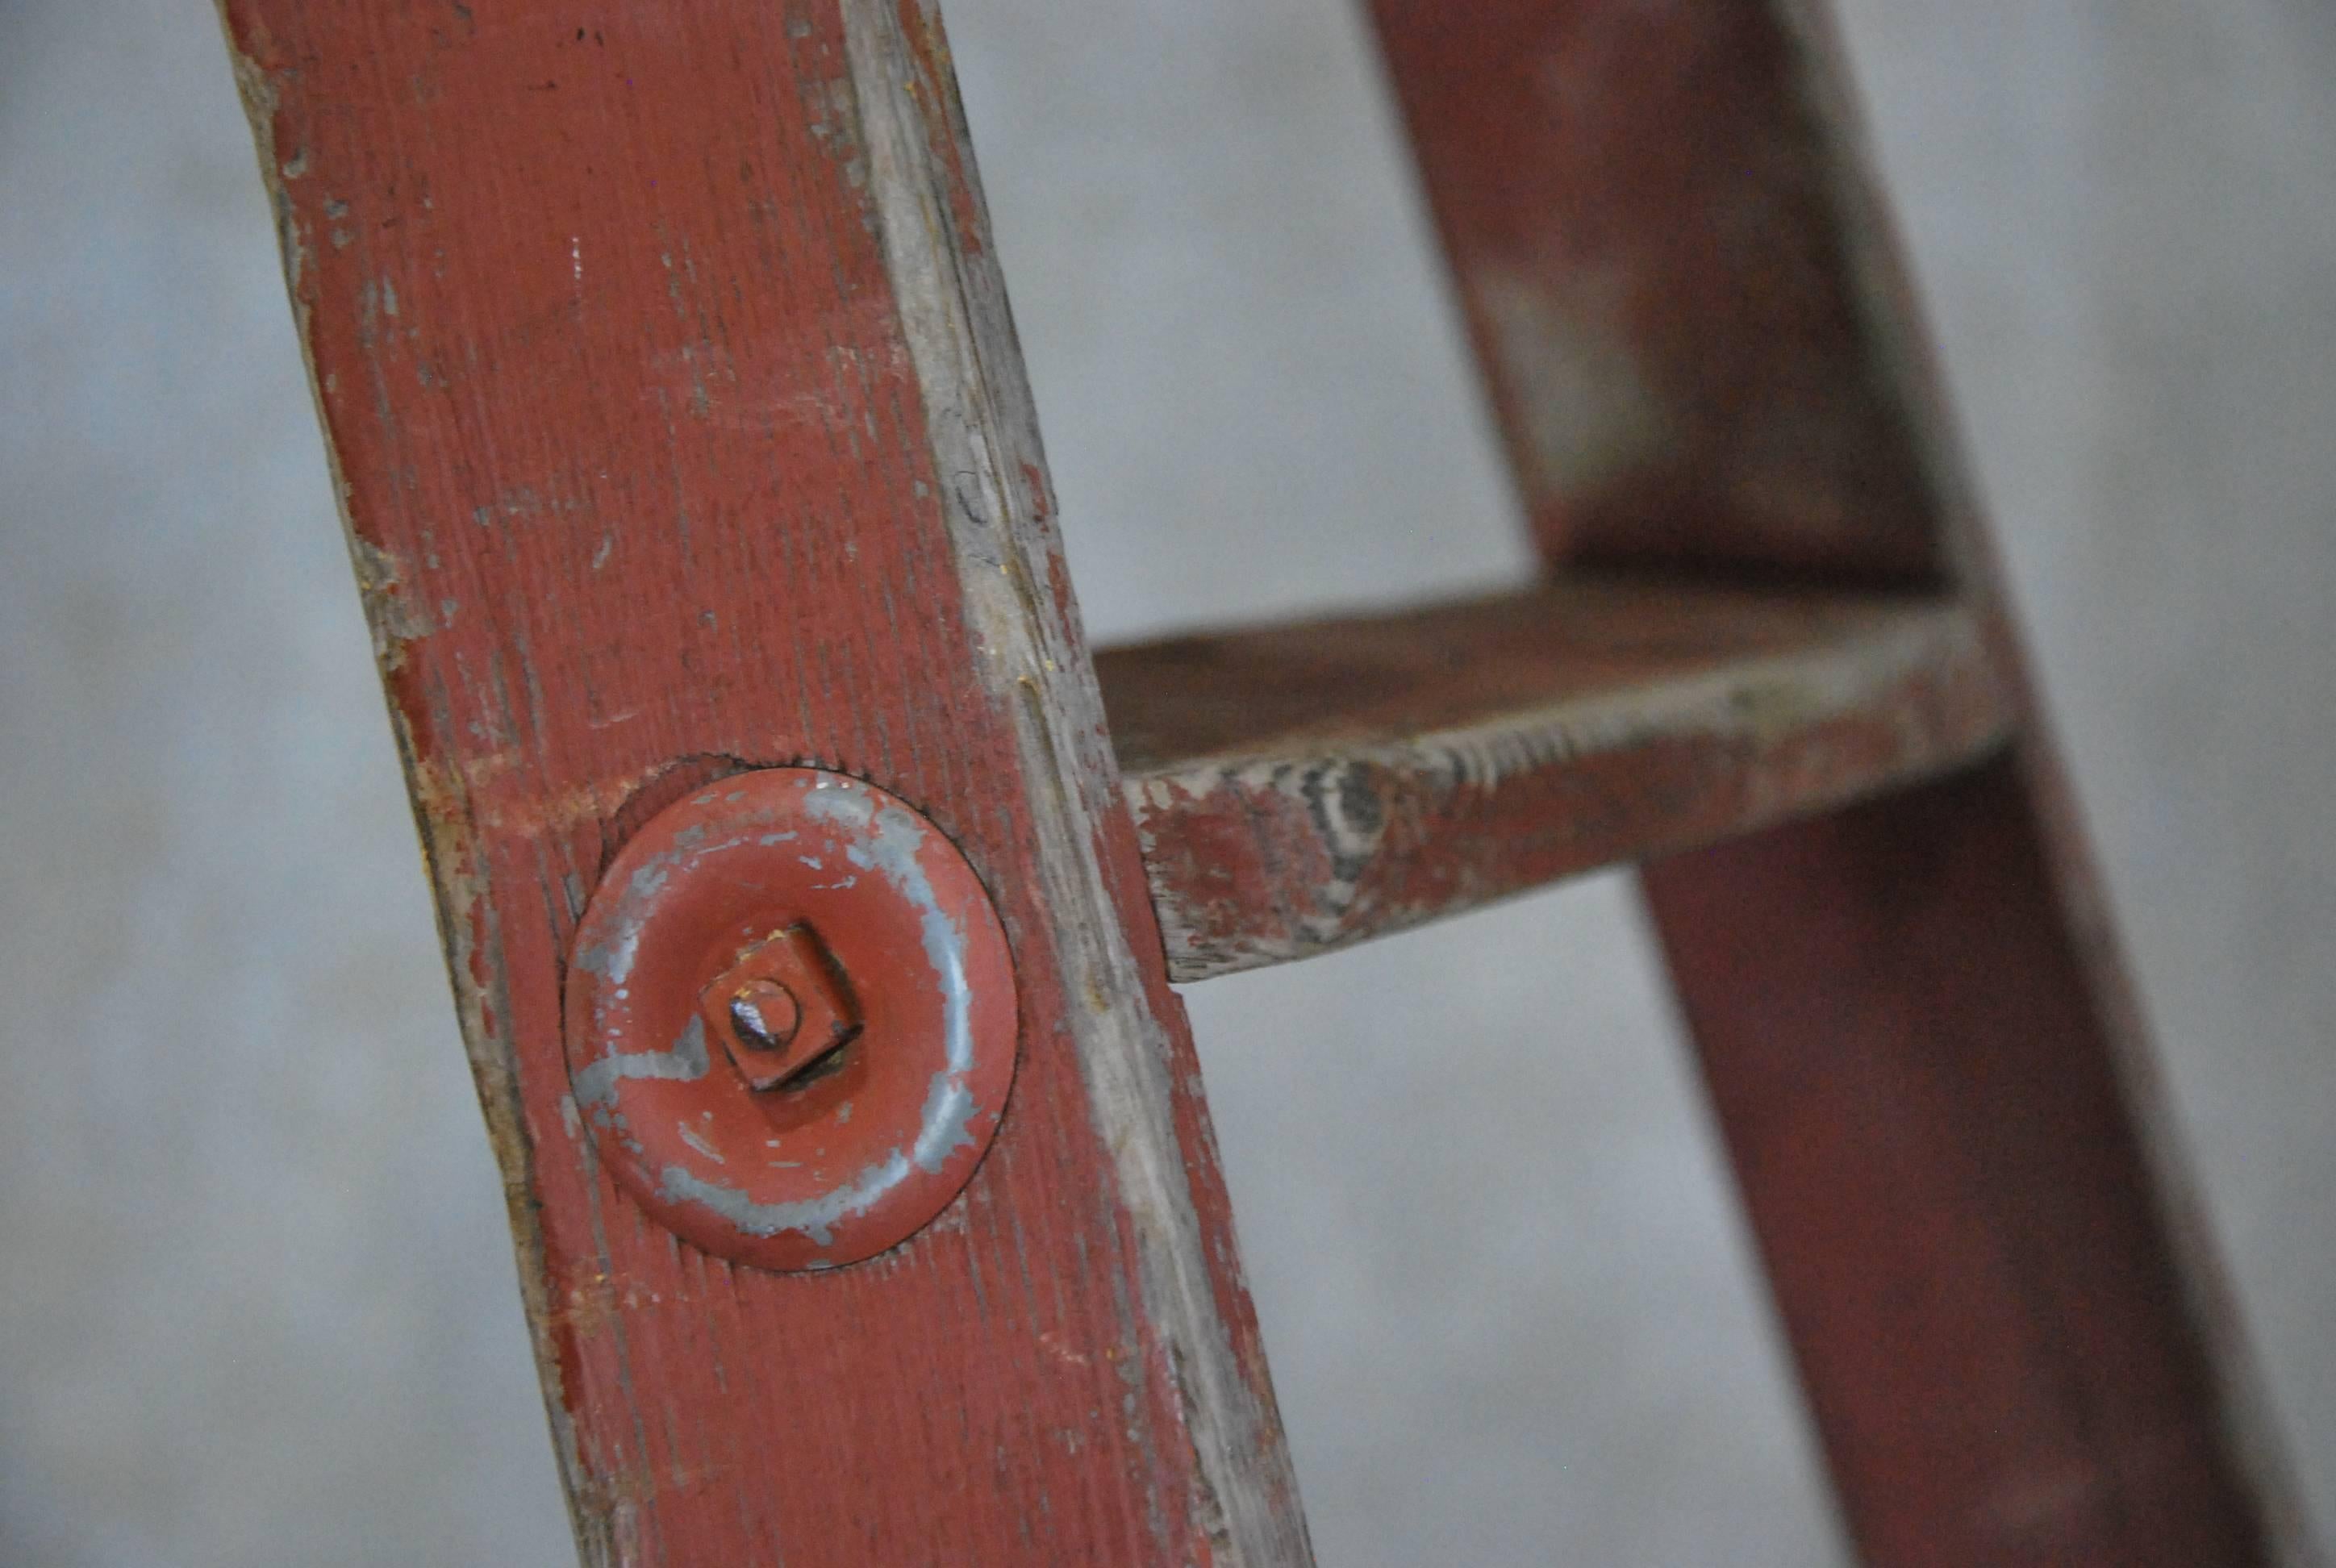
1302,787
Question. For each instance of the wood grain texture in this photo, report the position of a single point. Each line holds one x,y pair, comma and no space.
1302,787
1926,1057
679,427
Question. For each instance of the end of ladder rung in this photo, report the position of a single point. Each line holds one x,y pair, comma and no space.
1298,788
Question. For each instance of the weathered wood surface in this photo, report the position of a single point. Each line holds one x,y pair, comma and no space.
1301,788
1698,342
680,428
1638,210
1925,1108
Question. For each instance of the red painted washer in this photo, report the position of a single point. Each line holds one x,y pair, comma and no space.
844,1161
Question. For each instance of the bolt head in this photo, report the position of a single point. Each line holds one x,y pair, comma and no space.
764,1015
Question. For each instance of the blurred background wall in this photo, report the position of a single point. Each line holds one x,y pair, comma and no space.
255,1297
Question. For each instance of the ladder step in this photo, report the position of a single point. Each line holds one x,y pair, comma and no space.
1303,786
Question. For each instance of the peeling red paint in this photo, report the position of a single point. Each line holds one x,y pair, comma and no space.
644,417
1300,788
896,940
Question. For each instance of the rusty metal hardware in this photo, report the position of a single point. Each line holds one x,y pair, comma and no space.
847,959
781,1010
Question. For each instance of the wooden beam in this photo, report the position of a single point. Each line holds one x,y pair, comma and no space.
680,428
1700,346
1298,788
1640,206
1932,1124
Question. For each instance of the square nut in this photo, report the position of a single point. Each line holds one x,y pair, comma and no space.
780,1008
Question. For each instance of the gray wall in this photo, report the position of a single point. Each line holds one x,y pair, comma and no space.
256,1301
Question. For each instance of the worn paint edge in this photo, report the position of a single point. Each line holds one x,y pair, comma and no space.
969,369
1890,310
445,824
1770,698
1767,696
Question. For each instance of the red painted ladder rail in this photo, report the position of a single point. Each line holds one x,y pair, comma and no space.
698,505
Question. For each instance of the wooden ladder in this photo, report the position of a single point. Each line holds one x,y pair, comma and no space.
681,433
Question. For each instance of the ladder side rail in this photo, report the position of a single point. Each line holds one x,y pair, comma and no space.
1923,1053
680,428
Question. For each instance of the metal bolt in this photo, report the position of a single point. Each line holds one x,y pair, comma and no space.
764,1014
772,1146
781,1009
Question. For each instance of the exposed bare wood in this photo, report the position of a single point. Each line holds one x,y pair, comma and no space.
1301,788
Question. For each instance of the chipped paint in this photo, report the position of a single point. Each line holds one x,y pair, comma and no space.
889,839
1282,847
686,1062
822,1168
983,430
775,580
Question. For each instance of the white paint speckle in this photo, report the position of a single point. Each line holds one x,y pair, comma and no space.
690,1136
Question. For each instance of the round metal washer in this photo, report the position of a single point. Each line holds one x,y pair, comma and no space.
863,1149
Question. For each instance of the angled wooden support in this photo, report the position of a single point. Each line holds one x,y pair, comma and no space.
1922,1054
680,430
